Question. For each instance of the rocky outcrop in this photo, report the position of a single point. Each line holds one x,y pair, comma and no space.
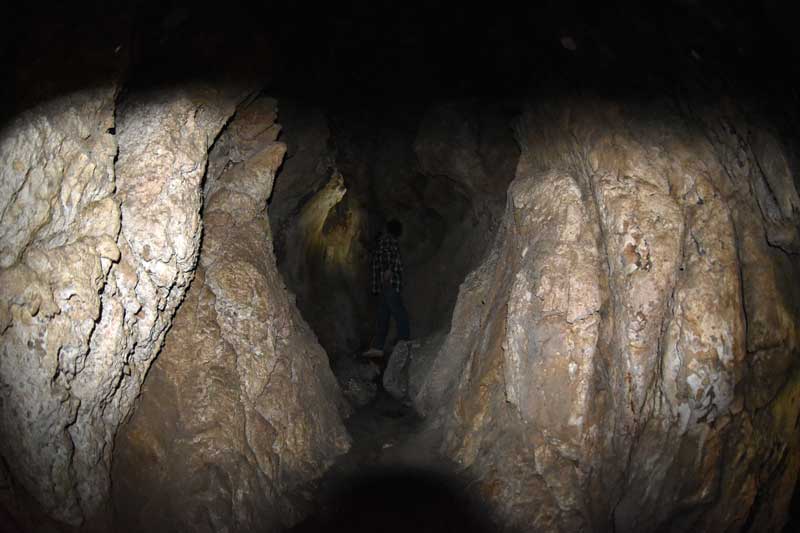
320,224
626,356
95,258
466,154
240,411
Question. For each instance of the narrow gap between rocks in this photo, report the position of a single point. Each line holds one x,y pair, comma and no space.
346,174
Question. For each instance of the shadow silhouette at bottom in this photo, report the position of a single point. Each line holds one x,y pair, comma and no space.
394,500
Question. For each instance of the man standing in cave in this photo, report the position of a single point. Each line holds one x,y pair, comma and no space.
387,281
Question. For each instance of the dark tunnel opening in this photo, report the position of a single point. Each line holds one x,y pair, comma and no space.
600,244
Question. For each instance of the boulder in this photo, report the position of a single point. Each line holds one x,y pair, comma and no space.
358,379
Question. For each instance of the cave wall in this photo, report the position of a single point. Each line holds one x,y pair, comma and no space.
240,411
59,239
320,226
103,183
97,255
626,357
465,159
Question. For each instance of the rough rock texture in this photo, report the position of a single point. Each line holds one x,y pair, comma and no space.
241,411
466,152
320,230
58,240
95,258
358,379
306,167
326,264
627,355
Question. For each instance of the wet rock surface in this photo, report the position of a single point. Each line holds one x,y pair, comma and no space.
607,364
224,436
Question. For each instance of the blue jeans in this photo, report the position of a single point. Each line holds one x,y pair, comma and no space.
391,306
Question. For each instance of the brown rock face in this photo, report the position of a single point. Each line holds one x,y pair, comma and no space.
626,356
240,410
320,225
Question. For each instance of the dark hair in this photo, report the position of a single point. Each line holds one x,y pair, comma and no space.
395,227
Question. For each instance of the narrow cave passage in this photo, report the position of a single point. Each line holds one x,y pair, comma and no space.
441,169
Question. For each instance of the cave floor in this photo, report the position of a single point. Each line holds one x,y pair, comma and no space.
392,479
385,432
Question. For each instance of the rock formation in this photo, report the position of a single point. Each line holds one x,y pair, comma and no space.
604,298
96,258
321,225
240,411
466,152
60,228
609,365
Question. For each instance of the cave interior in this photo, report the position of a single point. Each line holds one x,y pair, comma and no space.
600,249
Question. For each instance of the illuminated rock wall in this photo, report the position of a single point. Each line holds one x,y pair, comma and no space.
627,356
96,257
320,224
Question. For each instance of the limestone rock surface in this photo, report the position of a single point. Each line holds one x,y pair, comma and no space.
466,156
241,411
58,241
320,223
95,255
626,357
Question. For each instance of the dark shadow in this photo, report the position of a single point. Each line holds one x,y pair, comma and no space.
407,500
399,52
793,522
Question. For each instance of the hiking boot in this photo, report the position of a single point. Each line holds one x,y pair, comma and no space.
373,352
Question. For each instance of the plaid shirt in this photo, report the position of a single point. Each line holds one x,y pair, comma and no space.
387,257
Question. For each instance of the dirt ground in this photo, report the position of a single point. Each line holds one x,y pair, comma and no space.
393,479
